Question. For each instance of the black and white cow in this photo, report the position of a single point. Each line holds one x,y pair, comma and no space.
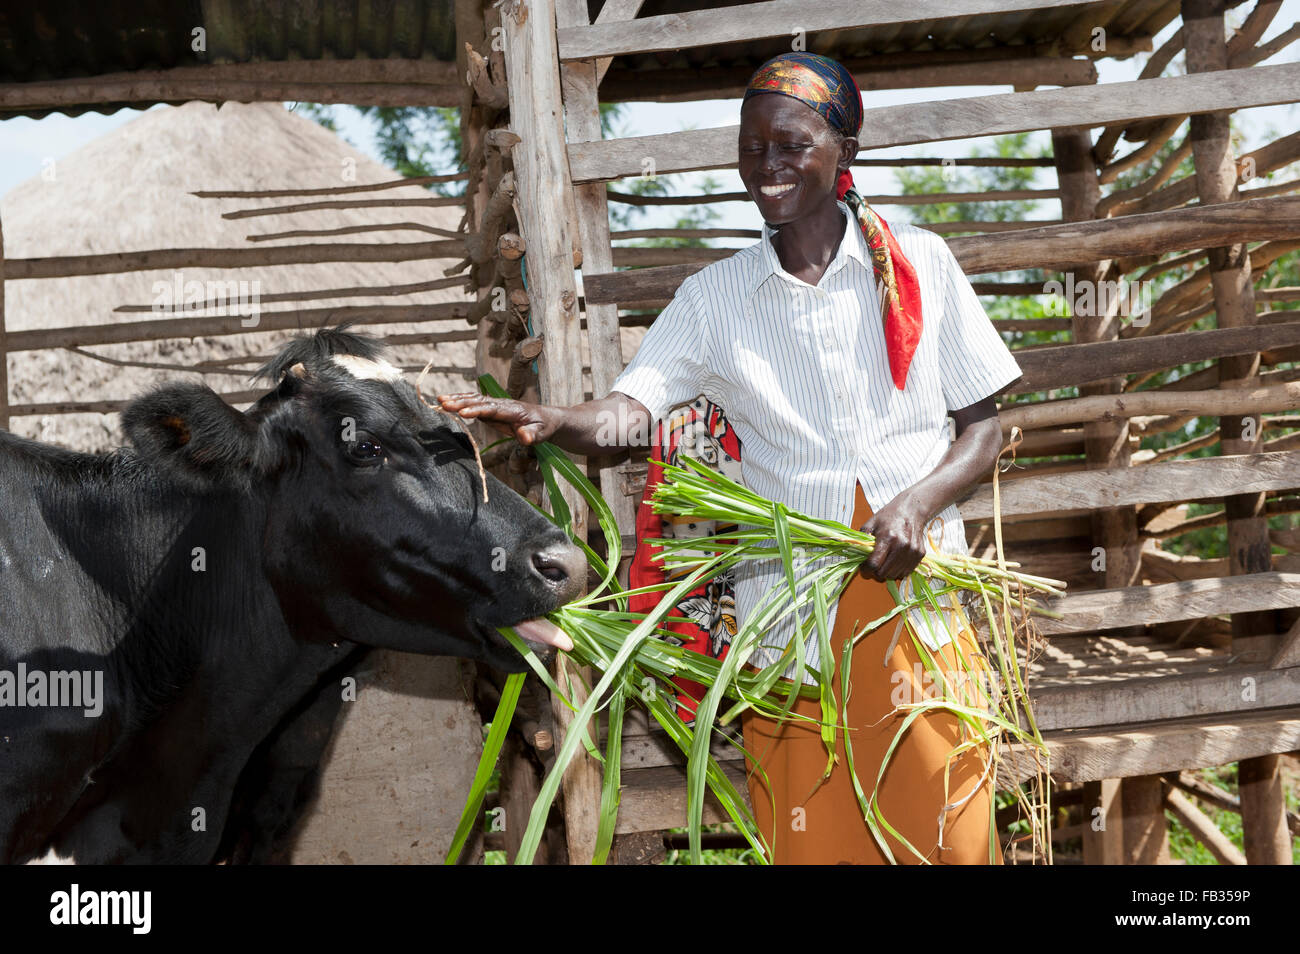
215,572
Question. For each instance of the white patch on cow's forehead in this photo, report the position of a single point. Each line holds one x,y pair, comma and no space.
366,369
52,857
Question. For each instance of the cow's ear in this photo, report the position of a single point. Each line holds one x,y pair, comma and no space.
192,433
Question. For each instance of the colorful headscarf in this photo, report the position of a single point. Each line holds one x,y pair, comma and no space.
829,89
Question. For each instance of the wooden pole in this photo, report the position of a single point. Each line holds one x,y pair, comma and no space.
472,29
1263,810
1103,823
4,351
582,122
545,188
1106,445
520,779
1146,836
1265,833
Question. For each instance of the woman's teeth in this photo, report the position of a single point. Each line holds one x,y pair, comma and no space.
776,189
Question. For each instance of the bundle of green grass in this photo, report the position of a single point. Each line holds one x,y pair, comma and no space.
819,558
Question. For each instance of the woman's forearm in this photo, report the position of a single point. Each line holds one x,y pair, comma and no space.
968,459
594,428
899,526
605,426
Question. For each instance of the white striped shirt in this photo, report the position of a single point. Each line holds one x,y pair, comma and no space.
803,375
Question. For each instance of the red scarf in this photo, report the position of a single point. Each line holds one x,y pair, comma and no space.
896,282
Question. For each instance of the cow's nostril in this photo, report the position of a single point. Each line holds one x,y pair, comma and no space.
549,569
563,567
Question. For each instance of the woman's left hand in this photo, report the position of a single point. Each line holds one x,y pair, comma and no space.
899,529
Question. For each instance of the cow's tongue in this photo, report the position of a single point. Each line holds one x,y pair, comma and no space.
544,631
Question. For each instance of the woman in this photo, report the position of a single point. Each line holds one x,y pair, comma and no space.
838,348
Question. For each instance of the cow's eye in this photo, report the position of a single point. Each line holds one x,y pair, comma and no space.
365,451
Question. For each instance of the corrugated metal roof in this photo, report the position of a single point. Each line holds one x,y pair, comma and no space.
78,38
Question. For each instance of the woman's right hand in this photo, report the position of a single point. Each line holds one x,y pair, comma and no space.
527,423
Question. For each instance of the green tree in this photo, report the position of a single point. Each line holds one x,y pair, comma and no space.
411,140
419,141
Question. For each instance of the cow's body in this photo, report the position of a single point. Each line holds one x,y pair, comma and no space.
216,573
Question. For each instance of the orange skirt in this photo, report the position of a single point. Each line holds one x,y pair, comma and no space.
809,821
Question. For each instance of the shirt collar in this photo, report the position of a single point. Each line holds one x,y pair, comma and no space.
852,245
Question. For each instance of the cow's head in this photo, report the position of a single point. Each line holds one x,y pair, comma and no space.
376,527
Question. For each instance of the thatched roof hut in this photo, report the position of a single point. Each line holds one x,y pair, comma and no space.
131,190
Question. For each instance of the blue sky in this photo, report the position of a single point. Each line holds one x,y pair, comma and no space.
25,144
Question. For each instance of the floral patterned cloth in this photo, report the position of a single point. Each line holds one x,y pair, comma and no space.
701,431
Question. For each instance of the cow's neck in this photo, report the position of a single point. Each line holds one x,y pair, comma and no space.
202,659
179,572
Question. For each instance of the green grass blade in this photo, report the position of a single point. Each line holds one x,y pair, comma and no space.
550,785
472,815
609,788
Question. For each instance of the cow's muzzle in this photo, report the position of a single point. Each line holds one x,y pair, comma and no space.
562,569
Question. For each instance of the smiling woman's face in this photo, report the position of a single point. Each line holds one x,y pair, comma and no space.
790,159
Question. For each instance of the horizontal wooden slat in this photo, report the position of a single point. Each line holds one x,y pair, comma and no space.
1152,747
1230,689
1134,406
303,319
1036,65
1052,246
754,21
331,190
1175,480
914,123
1075,364
655,798
652,256
114,405
1114,702
641,284
1081,243
923,198
64,266
655,748
1171,602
